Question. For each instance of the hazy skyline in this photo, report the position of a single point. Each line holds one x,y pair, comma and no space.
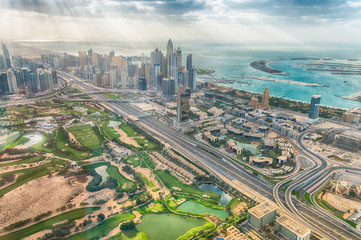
276,21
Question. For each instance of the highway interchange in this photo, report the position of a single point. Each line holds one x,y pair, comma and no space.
318,220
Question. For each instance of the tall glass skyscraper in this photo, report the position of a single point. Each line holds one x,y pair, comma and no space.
6,56
169,58
315,106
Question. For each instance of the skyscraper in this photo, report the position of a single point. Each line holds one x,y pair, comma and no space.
265,99
166,87
183,97
175,67
179,56
172,86
142,83
156,62
6,56
193,83
169,58
315,106
4,87
189,69
185,77
11,81
160,77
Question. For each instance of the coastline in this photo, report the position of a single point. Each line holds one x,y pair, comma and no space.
283,81
262,65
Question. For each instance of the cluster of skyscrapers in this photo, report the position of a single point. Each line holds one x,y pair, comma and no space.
24,75
108,70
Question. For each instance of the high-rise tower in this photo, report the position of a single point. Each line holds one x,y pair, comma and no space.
179,58
189,69
169,58
6,56
265,99
315,106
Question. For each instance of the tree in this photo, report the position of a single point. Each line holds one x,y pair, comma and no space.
127,226
101,217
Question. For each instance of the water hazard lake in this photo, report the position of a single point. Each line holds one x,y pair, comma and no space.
210,187
167,226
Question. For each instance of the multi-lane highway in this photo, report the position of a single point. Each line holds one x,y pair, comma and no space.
314,218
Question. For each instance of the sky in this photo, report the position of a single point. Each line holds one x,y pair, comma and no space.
248,21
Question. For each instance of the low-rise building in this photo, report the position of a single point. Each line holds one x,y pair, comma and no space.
210,137
262,215
282,159
260,160
234,234
291,230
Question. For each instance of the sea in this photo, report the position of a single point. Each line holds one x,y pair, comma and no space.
231,60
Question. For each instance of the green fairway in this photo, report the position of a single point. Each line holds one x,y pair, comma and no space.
170,181
102,229
146,163
108,131
114,173
57,144
46,224
86,136
130,131
23,161
132,160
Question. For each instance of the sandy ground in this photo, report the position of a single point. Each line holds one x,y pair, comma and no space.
37,235
37,197
341,203
125,138
325,150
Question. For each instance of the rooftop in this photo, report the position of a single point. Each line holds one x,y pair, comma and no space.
292,226
262,209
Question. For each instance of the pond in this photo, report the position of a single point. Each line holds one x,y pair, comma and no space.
102,171
210,187
194,207
167,226
250,147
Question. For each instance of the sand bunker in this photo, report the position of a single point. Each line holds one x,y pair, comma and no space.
34,139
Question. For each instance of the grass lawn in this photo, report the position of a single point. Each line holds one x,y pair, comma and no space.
23,161
103,229
203,109
130,235
31,174
114,173
194,231
170,181
132,160
308,198
109,132
146,161
60,142
86,136
147,145
9,141
130,131
46,224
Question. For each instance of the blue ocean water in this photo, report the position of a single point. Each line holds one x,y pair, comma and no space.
230,60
